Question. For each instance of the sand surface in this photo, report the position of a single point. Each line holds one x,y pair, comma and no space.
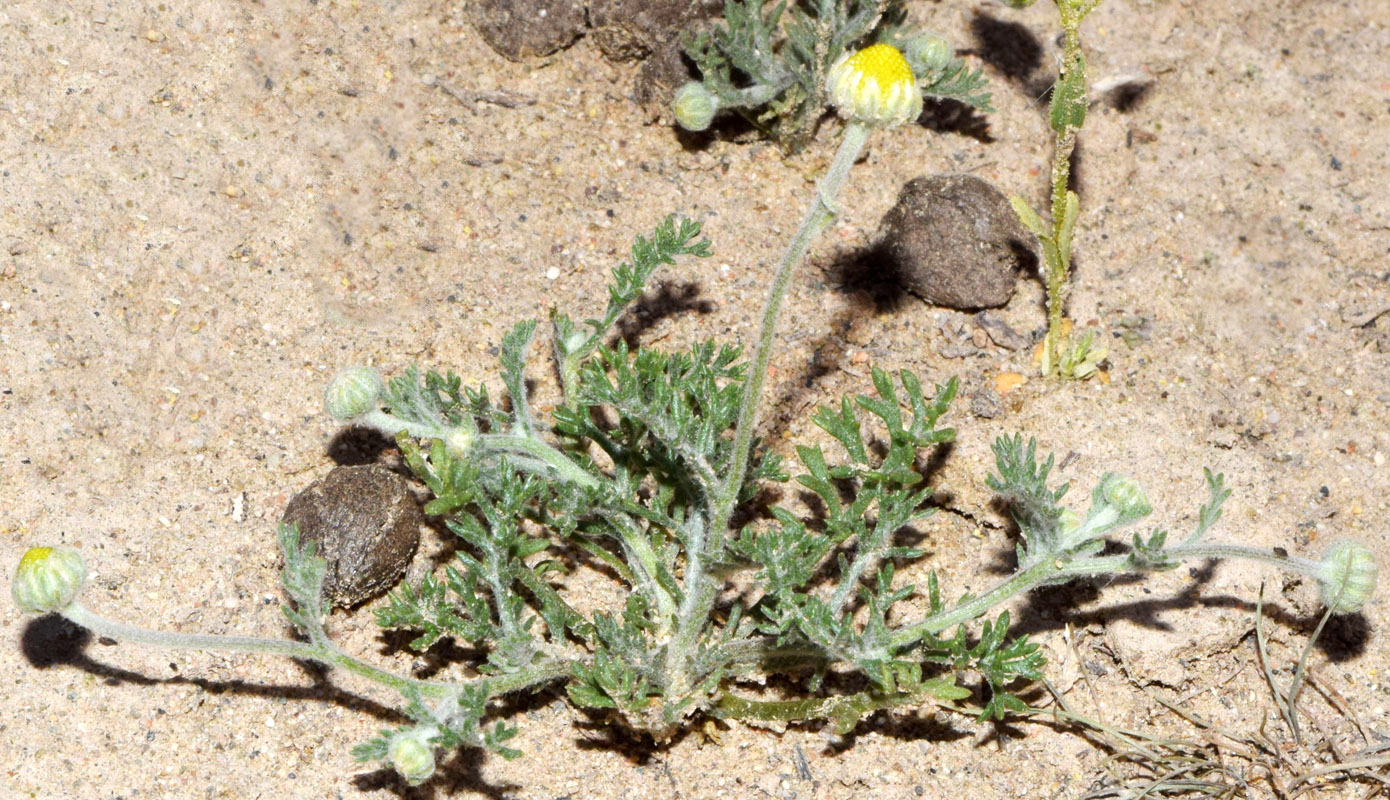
207,208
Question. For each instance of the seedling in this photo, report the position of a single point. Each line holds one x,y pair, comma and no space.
1061,355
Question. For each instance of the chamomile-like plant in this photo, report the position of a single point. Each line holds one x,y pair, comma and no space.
640,471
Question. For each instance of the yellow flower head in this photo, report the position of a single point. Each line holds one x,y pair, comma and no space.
875,86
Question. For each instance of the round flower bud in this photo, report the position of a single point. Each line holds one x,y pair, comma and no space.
1126,495
694,106
412,757
1347,576
927,53
48,579
352,393
875,86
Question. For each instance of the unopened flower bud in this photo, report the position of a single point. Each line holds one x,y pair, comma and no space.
48,579
412,757
1347,576
694,106
875,86
1126,496
927,53
352,393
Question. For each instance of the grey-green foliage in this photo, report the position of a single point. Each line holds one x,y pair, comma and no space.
620,479
769,64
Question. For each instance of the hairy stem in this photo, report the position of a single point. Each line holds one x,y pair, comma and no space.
326,653
537,456
321,653
699,589
820,214
1053,569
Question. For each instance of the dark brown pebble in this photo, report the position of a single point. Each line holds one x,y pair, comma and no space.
366,525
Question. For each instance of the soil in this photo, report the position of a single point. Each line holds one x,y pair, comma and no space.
209,208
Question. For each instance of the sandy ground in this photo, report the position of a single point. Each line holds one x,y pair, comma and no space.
209,208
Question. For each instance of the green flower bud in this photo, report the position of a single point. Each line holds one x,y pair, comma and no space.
353,392
412,756
1125,495
928,53
694,106
1347,576
48,579
875,86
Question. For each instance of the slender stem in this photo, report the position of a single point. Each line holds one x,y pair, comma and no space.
821,213
1054,569
390,425
641,558
1059,269
976,606
1293,563
538,456
541,672
1111,565
699,590
324,654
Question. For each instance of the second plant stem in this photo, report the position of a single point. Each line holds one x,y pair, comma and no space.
699,591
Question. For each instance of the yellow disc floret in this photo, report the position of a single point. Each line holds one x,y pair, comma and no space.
875,86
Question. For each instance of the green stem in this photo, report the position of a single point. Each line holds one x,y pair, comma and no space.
1052,569
699,590
642,557
389,425
542,672
537,456
1060,267
821,213
1016,584
569,378
323,654
1188,552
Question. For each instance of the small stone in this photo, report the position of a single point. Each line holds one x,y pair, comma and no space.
954,241
1006,382
366,525
521,29
986,403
